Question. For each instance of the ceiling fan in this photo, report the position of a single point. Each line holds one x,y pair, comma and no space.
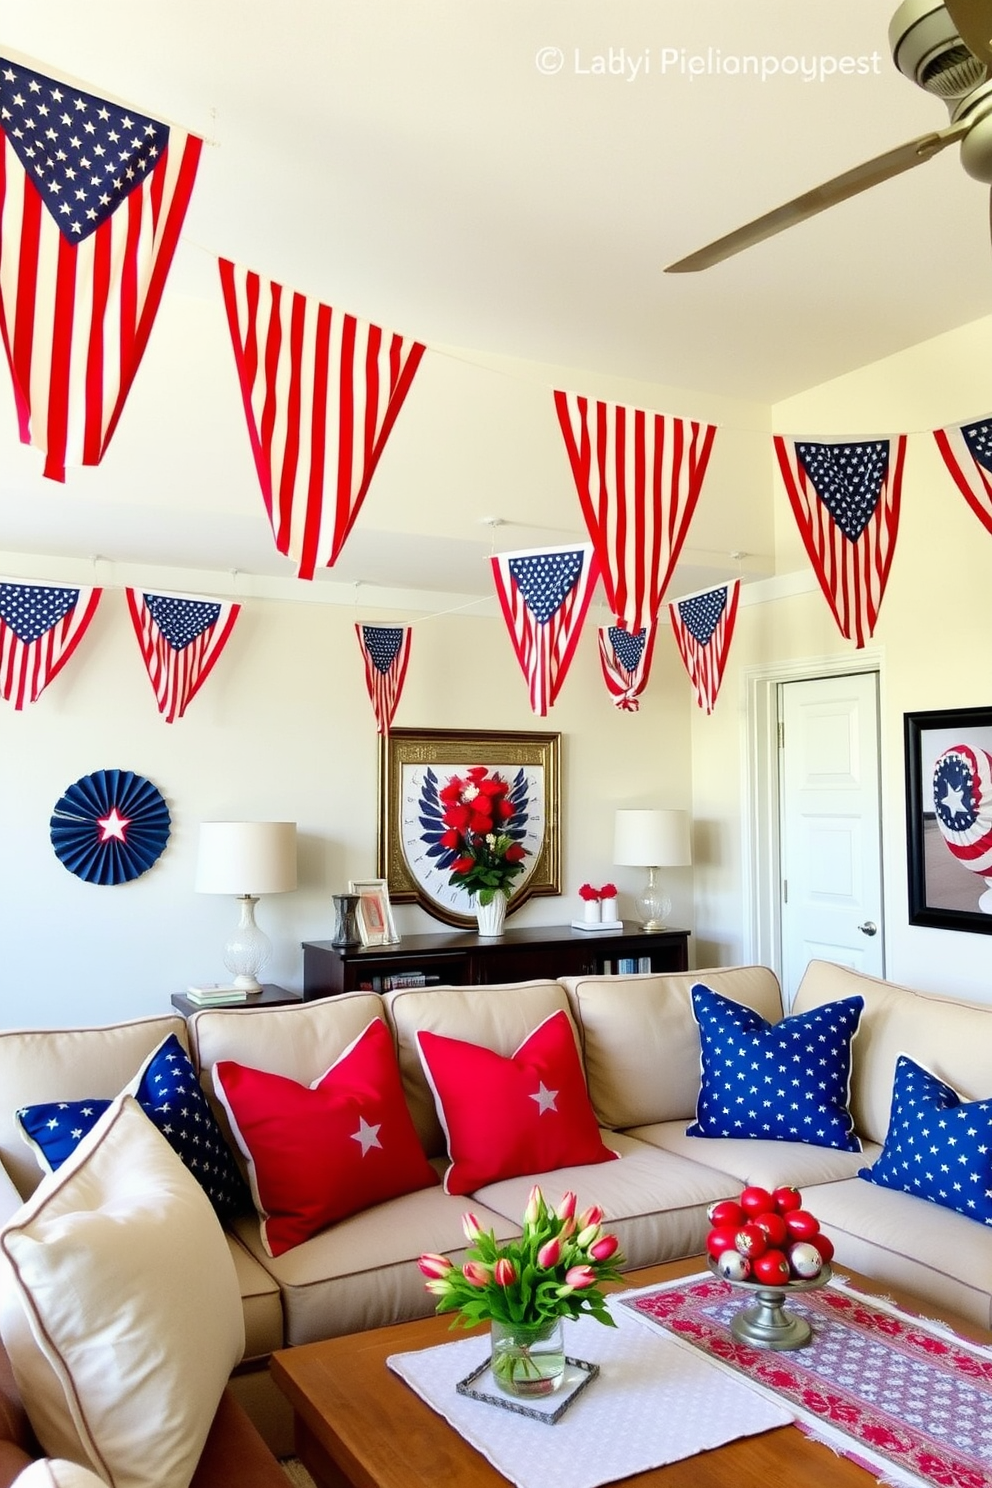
945,47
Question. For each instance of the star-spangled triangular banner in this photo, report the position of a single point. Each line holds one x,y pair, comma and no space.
845,496
626,661
386,652
967,453
321,392
638,476
40,627
92,202
180,637
544,595
704,628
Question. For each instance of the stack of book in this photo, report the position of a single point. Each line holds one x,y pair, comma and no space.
214,994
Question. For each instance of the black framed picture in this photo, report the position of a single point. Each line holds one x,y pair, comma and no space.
949,818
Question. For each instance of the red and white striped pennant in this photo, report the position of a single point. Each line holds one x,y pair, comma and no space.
321,392
544,594
386,652
845,496
704,628
639,476
77,303
967,452
626,663
180,637
40,627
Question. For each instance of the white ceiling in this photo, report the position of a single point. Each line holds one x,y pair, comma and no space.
410,161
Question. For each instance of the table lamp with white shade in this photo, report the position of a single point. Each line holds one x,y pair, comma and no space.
246,859
652,839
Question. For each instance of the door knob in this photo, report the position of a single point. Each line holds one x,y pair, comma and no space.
868,928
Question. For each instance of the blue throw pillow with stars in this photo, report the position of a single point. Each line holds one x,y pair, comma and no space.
785,1082
938,1146
167,1090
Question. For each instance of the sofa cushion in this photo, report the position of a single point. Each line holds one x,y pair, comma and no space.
785,1081
500,1016
318,1153
168,1092
528,1113
362,1272
938,1147
68,1064
640,1043
56,1472
950,1038
752,1160
654,1202
935,1255
120,1307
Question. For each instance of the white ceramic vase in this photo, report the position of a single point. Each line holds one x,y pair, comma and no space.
491,917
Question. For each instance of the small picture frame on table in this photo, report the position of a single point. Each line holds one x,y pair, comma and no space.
375,915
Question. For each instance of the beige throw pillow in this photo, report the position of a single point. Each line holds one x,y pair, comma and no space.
120,1307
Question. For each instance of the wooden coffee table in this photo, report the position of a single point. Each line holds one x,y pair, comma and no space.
359,1426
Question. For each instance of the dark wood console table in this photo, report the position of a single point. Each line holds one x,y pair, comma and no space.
462,958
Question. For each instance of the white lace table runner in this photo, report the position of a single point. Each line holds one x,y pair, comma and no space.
653,1402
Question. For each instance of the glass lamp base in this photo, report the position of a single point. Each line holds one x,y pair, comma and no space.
653,904
248,948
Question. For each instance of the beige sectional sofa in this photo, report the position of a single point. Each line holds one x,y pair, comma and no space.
640,1050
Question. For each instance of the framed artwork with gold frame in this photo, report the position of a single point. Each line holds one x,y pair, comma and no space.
415,764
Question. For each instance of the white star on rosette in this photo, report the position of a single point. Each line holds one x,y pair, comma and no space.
366,1136
113,825
545,1098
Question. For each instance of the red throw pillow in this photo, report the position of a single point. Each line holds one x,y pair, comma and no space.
318,1153
506,1117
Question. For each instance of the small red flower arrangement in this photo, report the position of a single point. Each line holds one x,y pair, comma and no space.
608,891
476,812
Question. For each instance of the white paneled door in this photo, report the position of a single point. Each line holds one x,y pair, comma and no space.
829,829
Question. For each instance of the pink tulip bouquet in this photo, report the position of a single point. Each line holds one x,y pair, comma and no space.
553,1270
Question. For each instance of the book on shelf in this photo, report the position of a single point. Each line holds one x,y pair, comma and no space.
214,994
396,980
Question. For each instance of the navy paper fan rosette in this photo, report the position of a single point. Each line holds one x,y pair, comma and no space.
110,827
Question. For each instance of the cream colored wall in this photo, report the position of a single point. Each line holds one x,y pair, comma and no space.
933,635
283,728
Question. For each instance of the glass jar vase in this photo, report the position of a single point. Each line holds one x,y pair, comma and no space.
528,1359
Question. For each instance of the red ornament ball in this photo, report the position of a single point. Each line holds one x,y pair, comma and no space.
775,1228
802,1225
726,1212
751,1241
772,1268
724,1237
754,1200
786,1199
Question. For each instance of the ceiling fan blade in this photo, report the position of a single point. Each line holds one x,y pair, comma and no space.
851,183
973,23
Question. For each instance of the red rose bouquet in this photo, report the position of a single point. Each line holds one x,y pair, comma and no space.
476,814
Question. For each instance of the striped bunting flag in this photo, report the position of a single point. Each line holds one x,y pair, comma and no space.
321,392
626,663
704,628
544,595
638,476
386,652
180,637
845,497
40,627
967,452
92,201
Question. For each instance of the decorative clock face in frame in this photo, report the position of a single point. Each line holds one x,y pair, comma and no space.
414,766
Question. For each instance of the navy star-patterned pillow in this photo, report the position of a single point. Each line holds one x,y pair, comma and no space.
167,1090
938,1147
785,1082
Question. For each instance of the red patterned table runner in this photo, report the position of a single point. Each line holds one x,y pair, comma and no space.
904,1397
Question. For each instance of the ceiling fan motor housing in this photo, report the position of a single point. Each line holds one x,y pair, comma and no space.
927,49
